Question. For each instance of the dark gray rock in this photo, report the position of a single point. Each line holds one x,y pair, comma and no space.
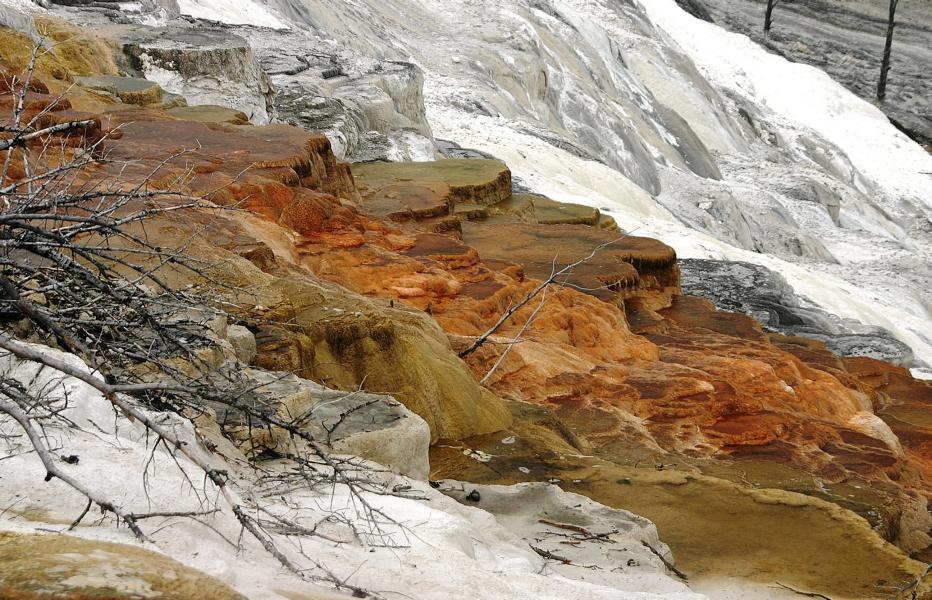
451,149
696,8
767,297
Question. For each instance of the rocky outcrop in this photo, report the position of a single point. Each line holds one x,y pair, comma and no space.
625,267
206,66
370,426
233,163
131,90
370,109
427,190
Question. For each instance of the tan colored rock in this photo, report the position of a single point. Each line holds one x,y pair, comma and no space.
210,113
243,342
545,211
66,567
479,181
129,90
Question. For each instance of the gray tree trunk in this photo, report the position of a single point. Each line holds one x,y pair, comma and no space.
888,46
768,16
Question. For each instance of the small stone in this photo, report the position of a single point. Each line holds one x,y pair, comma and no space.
243,342
473,496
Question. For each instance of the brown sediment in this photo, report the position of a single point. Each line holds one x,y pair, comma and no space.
715,527
69,568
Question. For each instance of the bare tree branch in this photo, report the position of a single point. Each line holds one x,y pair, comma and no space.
567,270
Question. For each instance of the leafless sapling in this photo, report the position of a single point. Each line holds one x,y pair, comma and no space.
887,50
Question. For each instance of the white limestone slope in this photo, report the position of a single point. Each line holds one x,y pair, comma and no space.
241,12
436,549
800,97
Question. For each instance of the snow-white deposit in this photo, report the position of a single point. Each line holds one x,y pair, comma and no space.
434,547
801,96
241,12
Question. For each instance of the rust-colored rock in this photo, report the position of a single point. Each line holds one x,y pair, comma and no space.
229,163
620,267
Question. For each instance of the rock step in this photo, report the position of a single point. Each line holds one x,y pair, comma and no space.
618,268
474,181
129,90
210,113
545,211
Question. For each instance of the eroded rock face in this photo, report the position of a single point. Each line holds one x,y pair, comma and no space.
370,109
206,66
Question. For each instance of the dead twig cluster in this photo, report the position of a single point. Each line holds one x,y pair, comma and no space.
79,272
557,277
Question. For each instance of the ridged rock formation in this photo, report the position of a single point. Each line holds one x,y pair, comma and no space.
612,378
